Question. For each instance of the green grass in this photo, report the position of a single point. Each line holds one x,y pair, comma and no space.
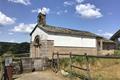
117,52
101,69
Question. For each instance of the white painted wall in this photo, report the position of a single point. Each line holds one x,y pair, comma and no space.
72,41
65,40
88,42
39,32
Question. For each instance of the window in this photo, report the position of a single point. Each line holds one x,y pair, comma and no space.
37,41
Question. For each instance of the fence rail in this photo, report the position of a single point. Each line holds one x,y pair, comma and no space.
87,69
94,56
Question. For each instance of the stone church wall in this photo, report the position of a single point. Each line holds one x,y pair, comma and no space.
76,50
50,49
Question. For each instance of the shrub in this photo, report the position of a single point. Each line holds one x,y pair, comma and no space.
117,53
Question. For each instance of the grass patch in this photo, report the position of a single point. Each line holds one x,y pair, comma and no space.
100,69
117,53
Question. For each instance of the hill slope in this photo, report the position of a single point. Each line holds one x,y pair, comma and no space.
14,48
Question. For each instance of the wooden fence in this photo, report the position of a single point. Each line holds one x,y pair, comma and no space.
57,57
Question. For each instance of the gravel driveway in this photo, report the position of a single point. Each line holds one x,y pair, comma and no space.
42,75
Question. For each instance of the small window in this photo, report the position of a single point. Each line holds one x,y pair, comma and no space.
37,40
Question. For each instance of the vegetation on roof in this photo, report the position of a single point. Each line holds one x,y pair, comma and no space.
108,40
66,31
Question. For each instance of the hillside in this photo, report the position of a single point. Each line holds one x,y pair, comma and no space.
14,48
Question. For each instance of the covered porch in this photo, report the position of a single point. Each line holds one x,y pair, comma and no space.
105,46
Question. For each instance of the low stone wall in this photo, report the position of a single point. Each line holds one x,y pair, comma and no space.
106,52
76,50
29,64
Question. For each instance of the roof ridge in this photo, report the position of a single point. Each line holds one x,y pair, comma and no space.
66,28
66,31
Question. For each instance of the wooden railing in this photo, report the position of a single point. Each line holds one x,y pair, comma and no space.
70,55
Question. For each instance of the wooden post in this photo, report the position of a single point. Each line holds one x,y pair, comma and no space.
21,67
2,69
70,64
58,62
52,62
88,67
101,44
70,61
52,59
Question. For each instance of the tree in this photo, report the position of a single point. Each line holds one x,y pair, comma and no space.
15,48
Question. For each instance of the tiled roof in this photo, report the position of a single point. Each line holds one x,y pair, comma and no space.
108,40
65,31
116,35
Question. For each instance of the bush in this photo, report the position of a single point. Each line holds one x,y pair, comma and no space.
64,62
117,53
82,60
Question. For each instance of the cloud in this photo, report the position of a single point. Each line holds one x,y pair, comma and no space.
65,11
79,1
107,34
61,12
5,20
44,10
58,13
100,30
10,33
0,32
35,10
24,2
68,3
12,40
25,28
88,11
104,34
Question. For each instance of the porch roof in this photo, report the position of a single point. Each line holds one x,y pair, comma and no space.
116,35
107,40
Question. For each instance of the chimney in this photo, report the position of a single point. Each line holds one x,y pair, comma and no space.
42,18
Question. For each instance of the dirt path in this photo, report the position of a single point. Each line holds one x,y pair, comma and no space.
42,75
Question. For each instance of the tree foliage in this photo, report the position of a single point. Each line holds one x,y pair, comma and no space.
15,48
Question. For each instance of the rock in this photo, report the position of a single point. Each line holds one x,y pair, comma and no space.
64,73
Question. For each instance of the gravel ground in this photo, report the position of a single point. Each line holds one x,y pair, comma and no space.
41,75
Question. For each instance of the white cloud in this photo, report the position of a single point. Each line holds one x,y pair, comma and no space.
79,1
26,28
58,13
68,3
44,10
104,34
0,32
107,34
10,33
35,10
61,12
100,30
5,20
65,11
24,2
88,11
12,40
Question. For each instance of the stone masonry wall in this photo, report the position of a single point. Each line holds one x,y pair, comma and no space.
45,49
50,49
76,50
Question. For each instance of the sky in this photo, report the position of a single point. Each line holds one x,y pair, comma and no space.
19,17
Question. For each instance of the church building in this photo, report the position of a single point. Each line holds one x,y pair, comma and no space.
47,39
